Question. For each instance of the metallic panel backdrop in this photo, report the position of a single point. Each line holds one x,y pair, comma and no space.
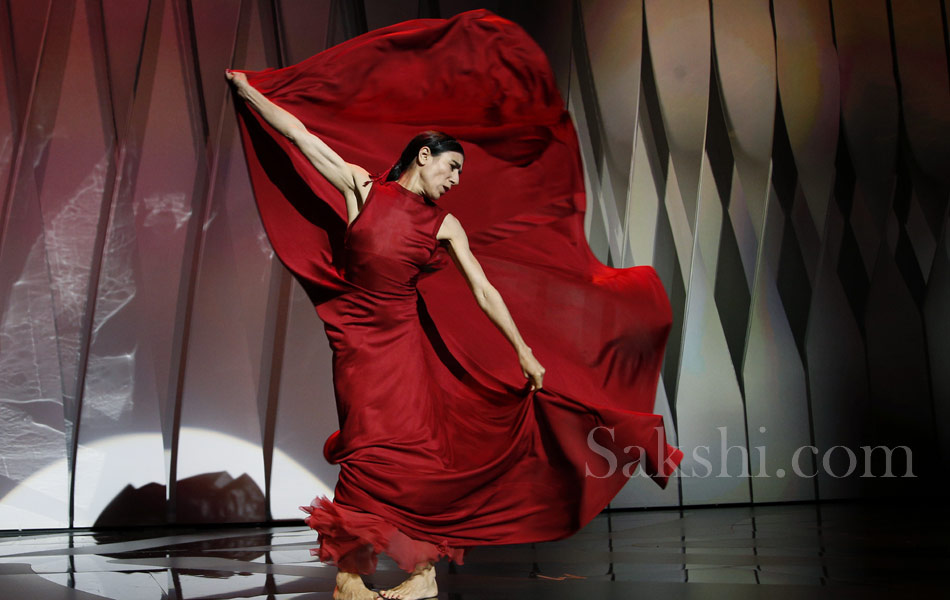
784,165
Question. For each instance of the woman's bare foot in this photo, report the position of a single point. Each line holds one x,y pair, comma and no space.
350,586
421,584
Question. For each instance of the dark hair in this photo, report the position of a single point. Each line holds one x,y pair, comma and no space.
437,142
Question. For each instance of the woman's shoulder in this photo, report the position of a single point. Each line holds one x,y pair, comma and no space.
446,225
362,179
359,173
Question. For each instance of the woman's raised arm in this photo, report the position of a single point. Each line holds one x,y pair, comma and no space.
348,178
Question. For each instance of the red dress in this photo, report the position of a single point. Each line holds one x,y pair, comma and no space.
441,447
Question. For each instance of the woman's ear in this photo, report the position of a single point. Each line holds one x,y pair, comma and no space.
424,154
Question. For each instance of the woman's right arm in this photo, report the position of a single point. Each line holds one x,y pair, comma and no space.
349,179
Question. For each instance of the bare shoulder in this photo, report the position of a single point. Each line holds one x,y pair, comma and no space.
451,229
361,179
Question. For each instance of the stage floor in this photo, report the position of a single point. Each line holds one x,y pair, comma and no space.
837,550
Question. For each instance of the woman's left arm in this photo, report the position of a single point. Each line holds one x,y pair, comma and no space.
488,298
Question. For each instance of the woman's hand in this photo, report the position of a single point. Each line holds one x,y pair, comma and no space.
531,368
237,79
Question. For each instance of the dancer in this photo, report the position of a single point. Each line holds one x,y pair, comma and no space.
429,167
443,445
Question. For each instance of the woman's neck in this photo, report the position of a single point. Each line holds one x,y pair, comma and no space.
410,180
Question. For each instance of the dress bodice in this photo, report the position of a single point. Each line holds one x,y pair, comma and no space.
391,239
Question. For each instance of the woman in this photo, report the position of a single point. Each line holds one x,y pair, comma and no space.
429,167
442,446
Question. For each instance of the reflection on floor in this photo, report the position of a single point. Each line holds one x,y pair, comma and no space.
788,551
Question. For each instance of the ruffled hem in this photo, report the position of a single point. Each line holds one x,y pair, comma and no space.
351,540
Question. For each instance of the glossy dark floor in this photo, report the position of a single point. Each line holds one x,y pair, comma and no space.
790,551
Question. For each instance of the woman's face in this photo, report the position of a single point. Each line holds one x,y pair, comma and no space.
439,173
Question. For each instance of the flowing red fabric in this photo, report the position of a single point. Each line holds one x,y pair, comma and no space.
441,445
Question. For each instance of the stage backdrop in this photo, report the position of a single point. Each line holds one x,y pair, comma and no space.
783,165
